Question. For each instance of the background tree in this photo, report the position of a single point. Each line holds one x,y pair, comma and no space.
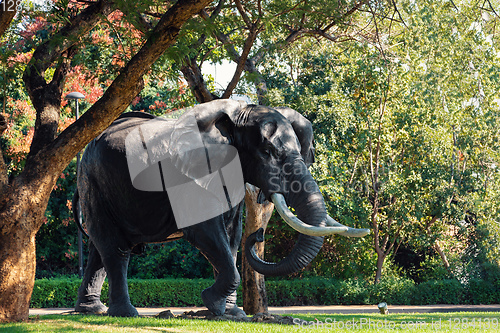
403,130
256,32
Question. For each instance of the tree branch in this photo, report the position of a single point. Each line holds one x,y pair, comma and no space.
243,13
252,35
117,97
48,110
398,232
47,53
6,16
4,179
194,77
46,97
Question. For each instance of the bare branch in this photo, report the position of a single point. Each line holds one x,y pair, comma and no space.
252,35
243,13
455,6
4,179
397,11
6,16
194,77
119,94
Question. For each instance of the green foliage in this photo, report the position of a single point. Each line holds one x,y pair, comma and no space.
407,139
440,292
177,259
62,292
57,250
179,292
161,97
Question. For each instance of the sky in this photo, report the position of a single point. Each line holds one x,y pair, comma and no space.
222,74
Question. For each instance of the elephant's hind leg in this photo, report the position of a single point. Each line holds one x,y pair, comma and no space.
116,263
89,293
214,245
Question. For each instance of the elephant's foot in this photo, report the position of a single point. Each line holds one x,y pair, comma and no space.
214,302
122,310
91,306
233,310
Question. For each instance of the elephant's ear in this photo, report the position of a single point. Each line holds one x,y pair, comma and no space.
217,118
304,131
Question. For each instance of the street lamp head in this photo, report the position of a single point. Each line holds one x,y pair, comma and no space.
75,95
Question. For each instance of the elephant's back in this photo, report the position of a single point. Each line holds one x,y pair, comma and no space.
105,184
115,135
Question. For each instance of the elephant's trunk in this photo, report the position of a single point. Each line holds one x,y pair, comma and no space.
302,193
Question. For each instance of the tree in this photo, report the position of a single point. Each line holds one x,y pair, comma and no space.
248,33
405,129
24,197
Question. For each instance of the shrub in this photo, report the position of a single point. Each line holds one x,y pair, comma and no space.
62,292
52,293
393,290
439,292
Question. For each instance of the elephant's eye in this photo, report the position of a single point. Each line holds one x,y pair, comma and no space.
268,151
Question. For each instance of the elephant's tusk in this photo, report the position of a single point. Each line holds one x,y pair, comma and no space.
297,224
350,232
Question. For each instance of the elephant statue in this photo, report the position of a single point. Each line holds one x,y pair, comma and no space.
145,179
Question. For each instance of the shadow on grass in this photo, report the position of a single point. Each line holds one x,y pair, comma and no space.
415,322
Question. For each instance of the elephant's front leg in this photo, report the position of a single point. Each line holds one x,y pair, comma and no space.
212,240
234,232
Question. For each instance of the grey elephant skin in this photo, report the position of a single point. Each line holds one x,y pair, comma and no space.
274,146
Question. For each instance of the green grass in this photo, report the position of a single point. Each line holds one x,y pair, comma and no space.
450,322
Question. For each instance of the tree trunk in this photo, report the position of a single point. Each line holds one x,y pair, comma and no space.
380,263
254,288
17,272
7,13
21,215
441,253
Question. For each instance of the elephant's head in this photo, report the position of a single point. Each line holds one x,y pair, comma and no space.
275,147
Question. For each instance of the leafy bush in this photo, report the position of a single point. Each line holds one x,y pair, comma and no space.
62,292
58,292
439,292
177,259
56,241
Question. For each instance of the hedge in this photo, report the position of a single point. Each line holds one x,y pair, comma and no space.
62,292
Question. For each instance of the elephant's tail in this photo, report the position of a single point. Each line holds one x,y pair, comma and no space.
76,212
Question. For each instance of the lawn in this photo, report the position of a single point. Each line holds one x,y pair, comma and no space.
435,322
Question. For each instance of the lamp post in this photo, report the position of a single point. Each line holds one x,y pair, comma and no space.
76,96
